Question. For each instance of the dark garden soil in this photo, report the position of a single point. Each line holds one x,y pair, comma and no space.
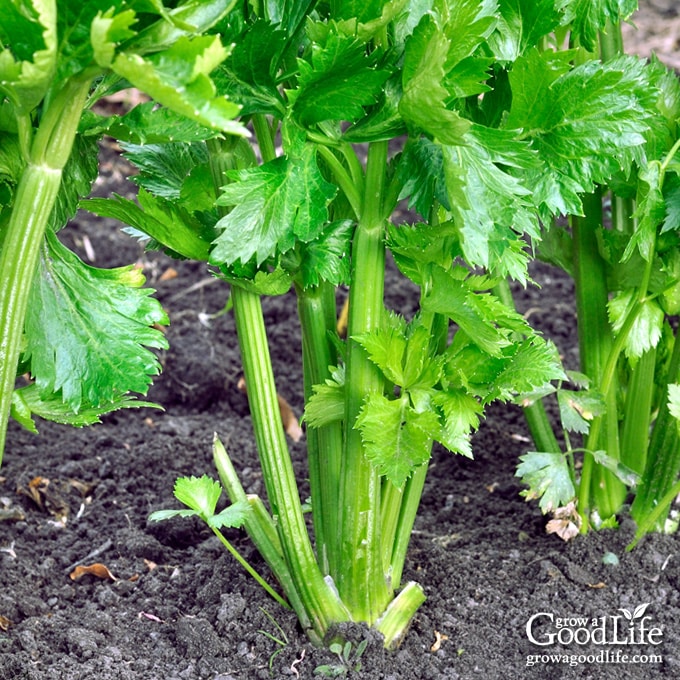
176,605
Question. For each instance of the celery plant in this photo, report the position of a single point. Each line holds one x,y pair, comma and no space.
82,333
626,275
496,134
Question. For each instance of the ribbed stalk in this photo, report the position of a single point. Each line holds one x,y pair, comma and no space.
316,308
599,488
638,412
35,198
261,529
360,579
320,602
413,491
664,453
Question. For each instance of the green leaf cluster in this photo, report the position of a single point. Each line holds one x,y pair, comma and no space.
87,333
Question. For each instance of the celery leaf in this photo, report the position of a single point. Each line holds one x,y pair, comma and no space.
338,83
179,79
28,402
168,222
587,124
396,436
423,104
274,204
548,477
88,329
28,51
521,25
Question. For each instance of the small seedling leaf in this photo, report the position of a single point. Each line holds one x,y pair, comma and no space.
198,493
232,516
160,515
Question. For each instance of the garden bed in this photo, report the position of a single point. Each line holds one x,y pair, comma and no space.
175,605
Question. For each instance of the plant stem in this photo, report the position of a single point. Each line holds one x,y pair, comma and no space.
598,486
361,579
261,529
342,177
393,624
319,600
244,563
664,455
316,308
35,198
638,409
413,491
534,413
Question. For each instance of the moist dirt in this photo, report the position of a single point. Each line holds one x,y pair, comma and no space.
169,603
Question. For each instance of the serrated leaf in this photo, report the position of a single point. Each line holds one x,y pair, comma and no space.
263,282
423,103
418,247
166,222
420,172
522,23
164,167
89,329
179,79
338,83
460,415
587,18
548,477
200,494
578,409
397,439
530,365
325,258
248,76
327,403
232,516
274,204
28,401
588,123
28,51
650,211
107,30
161,515
475,314
674,400
369,17
386,347
671,188
646,330
490,205
403,353
149,123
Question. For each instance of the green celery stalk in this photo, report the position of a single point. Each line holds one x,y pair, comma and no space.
664,456
316,307
599,488
320,602
361,579
35,198
638,413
